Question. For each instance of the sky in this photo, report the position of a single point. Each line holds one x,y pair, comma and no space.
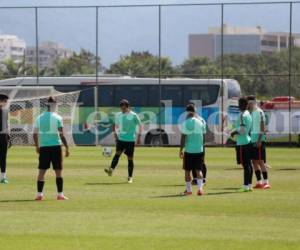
122,30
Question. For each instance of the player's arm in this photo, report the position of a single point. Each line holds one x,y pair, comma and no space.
262,129
64,141
36,140
182,143
115,129
140,129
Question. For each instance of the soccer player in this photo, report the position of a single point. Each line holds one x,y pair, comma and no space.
4,136
192,131
243,144
126,123
48,136
258,140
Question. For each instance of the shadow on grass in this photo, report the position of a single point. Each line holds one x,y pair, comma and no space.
105,183
236,168
228,188
167,196
287,169
222,193
172,185
12,201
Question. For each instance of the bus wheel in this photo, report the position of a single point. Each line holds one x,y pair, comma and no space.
156,140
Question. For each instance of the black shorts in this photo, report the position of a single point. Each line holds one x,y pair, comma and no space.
193,161
258,153
50,155
126,146
243,154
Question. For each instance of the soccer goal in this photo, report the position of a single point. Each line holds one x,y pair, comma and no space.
26,103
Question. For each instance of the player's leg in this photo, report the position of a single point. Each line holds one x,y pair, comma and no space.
199,182
264,166
40,184
115,160
187,174
44,164
242,159
129,151
194,174
57,162
256,166
3,156
204,172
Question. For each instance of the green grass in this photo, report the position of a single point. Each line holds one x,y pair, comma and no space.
107,213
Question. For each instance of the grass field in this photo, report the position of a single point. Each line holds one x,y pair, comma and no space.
107,213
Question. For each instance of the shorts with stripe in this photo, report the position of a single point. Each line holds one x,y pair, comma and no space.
258,153
243,154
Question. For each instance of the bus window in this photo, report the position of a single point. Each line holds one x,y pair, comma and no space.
106,96
173,93
153,96
136,95
86,97
208,94
234,89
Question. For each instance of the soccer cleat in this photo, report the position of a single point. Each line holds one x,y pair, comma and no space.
4,181
130,180
244,190
259,186
62,198
39,197
109,171
200,192
266,186
186,193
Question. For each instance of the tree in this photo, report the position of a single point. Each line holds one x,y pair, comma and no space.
83,63
141,64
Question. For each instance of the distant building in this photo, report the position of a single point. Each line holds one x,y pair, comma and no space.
239,40
11,48
49,52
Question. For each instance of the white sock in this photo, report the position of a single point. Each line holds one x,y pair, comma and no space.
246,187
188,186
259,182
199,184
266,181
60,194
249,186
40,194
3,175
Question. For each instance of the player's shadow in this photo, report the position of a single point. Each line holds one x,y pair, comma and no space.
105,183
16,201
227,188
222,193
171,185
167,196
287,169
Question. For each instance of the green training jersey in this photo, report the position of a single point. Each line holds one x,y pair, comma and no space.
193,128
127,124
258,117
244,120
47,125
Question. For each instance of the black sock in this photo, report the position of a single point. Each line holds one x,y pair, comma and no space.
258,175
194,173
59,184
265,175
130,168
115,161
40,186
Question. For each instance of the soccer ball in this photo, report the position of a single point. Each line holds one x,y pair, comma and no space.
107,151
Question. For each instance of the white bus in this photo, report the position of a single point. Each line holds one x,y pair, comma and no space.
99,101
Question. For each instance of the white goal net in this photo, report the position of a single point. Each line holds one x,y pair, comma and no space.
26,103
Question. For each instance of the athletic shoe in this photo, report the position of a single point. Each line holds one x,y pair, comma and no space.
194,182
109,171
4,181
266,186
62,197
259,185
130,180
200,192
39,197
186,193
244,190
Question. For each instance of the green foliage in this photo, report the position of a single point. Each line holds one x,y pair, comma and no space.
141,64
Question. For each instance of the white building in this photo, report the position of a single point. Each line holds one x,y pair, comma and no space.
49,52
11,47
